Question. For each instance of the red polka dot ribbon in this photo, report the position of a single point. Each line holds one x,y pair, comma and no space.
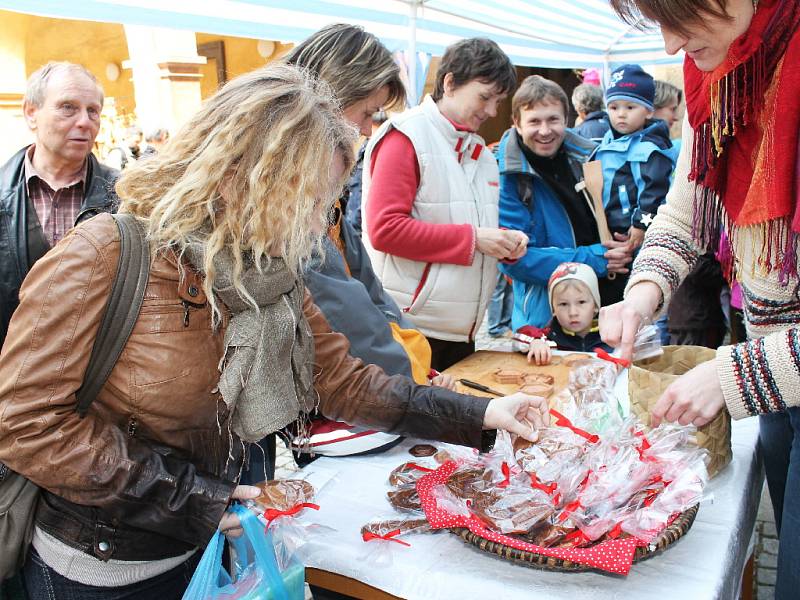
614,556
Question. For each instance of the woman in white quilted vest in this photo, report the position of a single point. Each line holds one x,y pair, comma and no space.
430,195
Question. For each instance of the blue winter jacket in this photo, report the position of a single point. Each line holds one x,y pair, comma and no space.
528,204
594,126
637,171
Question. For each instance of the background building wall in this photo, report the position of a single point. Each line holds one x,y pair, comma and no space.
241,56
94,45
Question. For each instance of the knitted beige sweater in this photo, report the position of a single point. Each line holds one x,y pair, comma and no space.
758,376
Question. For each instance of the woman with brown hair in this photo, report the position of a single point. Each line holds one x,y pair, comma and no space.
738,175
430,192
227,347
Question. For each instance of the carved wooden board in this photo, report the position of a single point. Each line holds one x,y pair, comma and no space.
479,368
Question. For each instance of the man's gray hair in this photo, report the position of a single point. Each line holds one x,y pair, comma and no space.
587,98
36,88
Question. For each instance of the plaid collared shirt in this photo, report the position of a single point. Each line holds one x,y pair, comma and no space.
56,209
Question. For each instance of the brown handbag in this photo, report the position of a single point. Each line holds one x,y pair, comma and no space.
19,497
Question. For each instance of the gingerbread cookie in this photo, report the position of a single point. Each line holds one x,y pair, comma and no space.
408,473
405,498
538,379
537,389
283,494
505,375
571,359
381,528
592,374
421,450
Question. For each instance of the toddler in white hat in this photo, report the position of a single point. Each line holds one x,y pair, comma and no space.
574,301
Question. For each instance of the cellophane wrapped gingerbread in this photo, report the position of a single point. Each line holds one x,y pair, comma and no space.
592,475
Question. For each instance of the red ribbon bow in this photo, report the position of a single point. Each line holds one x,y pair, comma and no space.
415,466
578,537
612,359
585,481
537,484
616,531
563,421
271,513
569,509
388,537
506,475
651,497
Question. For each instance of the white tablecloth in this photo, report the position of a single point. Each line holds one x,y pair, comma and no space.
705,564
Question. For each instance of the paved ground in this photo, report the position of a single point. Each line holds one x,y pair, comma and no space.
766,539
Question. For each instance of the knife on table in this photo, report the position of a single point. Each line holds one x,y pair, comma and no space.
480,387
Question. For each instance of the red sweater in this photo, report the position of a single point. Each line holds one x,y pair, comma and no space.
392,229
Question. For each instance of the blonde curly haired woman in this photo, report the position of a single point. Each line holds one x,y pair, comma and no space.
232,207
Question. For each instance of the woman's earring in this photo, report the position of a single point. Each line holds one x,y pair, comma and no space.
755,5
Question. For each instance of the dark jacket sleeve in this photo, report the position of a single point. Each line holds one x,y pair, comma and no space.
90,461
364,395
656,172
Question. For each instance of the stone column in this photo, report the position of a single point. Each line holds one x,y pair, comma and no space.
14,133
166,75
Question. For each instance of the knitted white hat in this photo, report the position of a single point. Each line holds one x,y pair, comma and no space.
579,272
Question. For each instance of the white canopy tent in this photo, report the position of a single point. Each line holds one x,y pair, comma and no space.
541,33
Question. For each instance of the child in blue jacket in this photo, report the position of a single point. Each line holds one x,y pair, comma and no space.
636,155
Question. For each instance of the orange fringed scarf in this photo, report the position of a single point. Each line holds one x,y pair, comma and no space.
746,120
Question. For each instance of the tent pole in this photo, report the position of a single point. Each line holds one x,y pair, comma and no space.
412,53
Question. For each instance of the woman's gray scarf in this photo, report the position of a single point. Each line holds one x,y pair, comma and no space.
267,376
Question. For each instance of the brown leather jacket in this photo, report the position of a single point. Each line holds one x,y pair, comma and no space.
151,467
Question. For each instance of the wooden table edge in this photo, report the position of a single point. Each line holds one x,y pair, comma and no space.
345,585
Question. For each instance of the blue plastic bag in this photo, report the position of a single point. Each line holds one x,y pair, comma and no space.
256,572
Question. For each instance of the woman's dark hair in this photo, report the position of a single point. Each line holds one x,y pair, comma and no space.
676,15
350,60
475,58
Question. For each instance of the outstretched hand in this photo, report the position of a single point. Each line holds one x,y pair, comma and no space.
539,352
518,413
694,398
619,323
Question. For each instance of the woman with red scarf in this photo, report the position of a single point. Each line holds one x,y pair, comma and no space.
738,174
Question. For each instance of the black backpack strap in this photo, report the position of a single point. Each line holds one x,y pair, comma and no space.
122,310
525,190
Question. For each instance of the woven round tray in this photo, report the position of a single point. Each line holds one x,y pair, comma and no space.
665,539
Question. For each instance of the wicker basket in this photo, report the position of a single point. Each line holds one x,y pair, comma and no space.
647,380
666,538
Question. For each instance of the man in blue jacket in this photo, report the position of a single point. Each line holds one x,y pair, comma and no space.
542,194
